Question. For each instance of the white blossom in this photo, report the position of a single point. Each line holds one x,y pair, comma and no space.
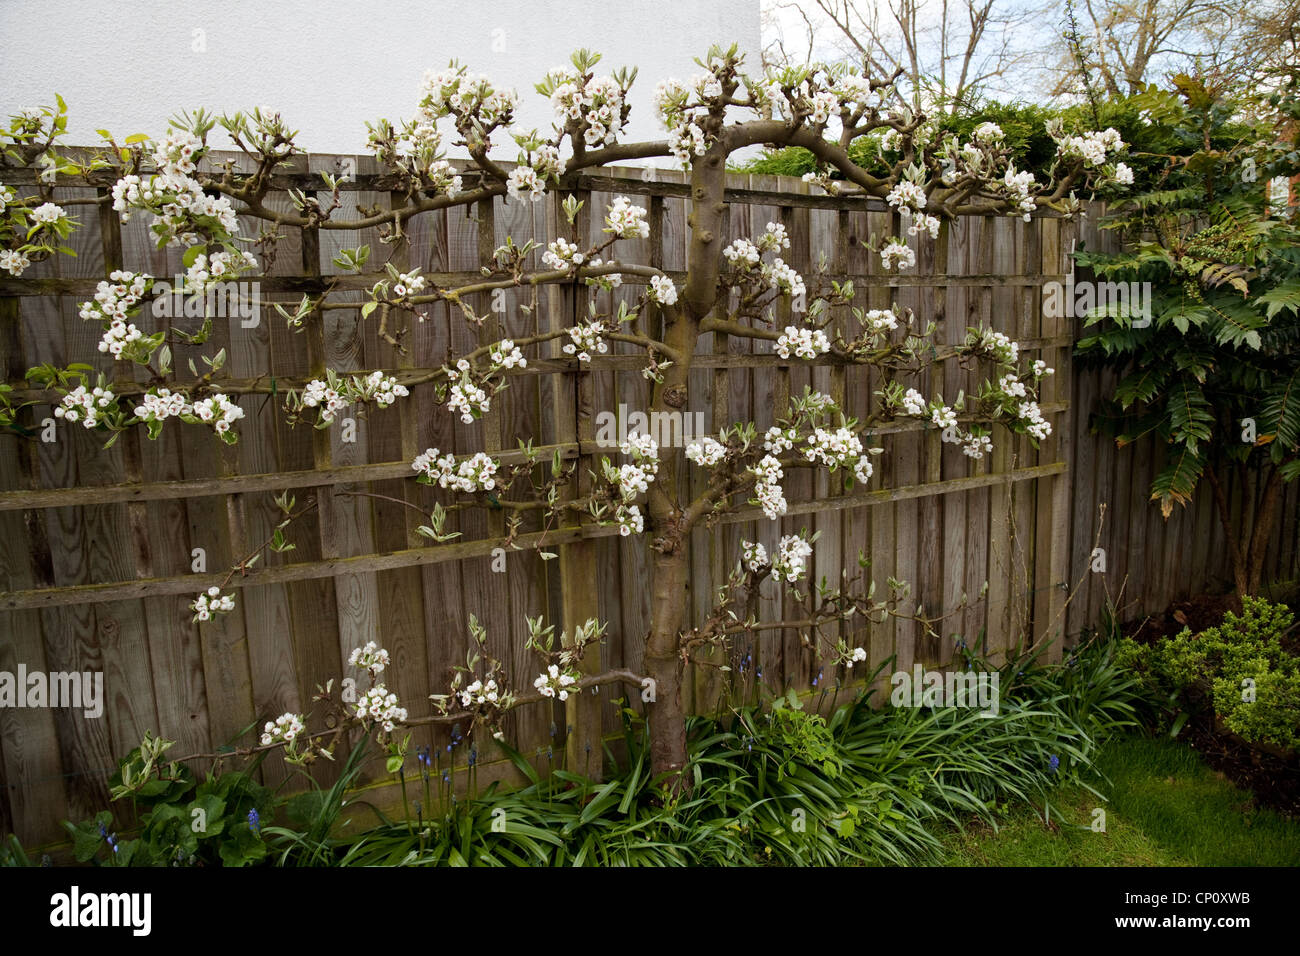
897,254
662,290
791,558
804,343
555,682
626,221
371,657
287,728
380,705
88,407
767,487
477,473
706,452
210,603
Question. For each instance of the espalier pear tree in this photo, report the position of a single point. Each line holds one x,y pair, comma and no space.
732,288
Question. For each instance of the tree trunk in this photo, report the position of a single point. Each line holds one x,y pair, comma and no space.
668,526
663,664
1231,535
1263,529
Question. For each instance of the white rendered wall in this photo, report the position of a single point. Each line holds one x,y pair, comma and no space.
329,66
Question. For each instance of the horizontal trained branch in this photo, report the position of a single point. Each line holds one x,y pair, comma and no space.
78,594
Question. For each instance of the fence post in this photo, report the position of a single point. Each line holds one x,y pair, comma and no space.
583,749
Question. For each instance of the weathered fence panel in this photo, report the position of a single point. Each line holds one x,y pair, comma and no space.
103,549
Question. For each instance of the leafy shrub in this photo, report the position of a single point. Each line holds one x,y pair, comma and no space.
1242,668
187,822
1025,128
780,785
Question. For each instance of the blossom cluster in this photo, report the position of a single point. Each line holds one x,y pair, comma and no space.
409,283
907,194
976,446
1032,416
1012,386
634,479
213,602
585,339
768,492
505,354
754,555
1018,187
116,296
555,683
47,214
161,403
524,183
479,692
804,343
465,396
778,439
626,221
207,270
783,277
922,222
119,337
706,452
371,657
1091,147
88,407
1001,347
562,255
791,558
14,261
897,254
319,394
742,252
839,447
662,290
454,91
476,473
219,412
682,117
183,213
285,728
380,705
594,104
880,320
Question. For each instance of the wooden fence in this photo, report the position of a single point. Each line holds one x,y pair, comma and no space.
99,551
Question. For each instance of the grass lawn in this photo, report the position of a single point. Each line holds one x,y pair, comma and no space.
1166,808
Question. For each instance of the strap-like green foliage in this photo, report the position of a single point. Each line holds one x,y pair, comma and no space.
1222,348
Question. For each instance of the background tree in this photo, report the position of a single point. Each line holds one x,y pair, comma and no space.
1216,373
1120,46
950,53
